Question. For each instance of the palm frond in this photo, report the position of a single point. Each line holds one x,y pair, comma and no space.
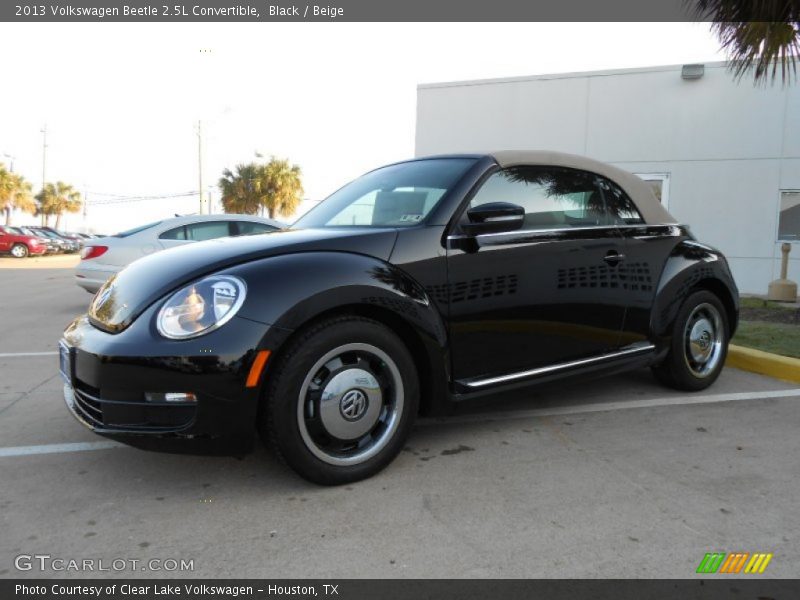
759,37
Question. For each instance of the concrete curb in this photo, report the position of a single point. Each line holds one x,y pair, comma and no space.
765,363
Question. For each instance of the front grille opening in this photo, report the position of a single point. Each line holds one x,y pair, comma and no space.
130,415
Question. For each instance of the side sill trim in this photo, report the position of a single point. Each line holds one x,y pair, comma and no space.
637,349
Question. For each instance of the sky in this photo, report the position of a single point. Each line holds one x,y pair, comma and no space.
121,101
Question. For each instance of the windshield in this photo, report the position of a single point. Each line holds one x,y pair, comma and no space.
399,195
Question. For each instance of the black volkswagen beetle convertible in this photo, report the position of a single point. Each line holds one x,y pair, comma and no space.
416,286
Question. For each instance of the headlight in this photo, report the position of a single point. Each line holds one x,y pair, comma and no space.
201,307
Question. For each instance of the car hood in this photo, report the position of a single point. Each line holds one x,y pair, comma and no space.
126,295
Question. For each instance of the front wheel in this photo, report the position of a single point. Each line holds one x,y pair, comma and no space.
19,251
699,344
341,401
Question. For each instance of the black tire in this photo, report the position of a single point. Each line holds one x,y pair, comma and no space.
19,251
684,367
292,419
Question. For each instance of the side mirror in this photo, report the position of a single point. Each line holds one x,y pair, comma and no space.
494,217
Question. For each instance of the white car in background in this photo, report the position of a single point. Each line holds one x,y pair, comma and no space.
103,257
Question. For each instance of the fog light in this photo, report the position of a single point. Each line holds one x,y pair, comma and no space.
177,397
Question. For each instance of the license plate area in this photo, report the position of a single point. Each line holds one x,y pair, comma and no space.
65,362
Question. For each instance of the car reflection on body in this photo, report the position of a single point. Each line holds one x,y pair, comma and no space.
419,285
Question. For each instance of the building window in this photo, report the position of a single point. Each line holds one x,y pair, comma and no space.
789,217
659,183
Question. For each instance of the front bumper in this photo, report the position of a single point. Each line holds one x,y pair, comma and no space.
107,376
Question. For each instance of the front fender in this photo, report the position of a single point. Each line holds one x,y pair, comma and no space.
291,290
692,266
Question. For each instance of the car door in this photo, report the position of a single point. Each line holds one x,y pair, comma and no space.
5,238
542,295
647,248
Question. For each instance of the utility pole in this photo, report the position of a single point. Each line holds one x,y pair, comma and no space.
200,161
11,160
44,165
11,166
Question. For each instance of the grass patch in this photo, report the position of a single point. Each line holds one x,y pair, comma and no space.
777,338
761,303
759,310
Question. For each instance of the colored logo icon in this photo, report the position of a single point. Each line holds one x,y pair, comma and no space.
734,563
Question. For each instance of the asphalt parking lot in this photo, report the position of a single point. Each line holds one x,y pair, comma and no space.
615,478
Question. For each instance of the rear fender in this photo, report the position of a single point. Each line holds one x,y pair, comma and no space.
692,266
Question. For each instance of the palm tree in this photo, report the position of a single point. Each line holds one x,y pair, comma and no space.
56,199
283,187
762,36
275,187
15,193
241,192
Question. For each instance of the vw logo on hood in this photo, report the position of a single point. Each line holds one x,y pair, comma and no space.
102,297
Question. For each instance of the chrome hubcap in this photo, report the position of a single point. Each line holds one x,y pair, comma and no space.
350,404
18,251
703,340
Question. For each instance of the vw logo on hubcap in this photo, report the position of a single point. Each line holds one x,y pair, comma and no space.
353,405
705,340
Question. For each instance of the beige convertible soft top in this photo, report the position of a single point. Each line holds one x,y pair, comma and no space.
650,208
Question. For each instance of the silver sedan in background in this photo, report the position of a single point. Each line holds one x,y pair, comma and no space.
103,257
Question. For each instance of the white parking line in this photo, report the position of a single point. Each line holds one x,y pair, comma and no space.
611,406
21,354
493,416
57,448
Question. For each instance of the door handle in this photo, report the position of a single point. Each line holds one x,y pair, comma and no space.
614,257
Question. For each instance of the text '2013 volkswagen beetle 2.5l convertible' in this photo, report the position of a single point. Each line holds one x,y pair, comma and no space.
418,285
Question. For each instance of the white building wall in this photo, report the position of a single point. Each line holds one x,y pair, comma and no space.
728,148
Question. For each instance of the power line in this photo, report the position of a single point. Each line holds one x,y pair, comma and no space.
127,199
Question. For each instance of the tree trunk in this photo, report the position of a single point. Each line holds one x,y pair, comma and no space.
271,212
8,215
58,221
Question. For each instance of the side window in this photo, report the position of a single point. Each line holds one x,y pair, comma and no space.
249,227
553,197
620,207
208,230
178,233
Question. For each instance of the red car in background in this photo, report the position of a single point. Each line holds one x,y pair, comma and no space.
20,246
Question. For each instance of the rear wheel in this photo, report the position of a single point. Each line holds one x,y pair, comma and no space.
699,344
19,251
341,400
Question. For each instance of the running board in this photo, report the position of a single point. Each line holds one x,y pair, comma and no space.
476,384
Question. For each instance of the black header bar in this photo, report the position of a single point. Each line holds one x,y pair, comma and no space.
706,588
344,10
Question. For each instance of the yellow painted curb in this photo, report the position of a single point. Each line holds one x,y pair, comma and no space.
765,363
